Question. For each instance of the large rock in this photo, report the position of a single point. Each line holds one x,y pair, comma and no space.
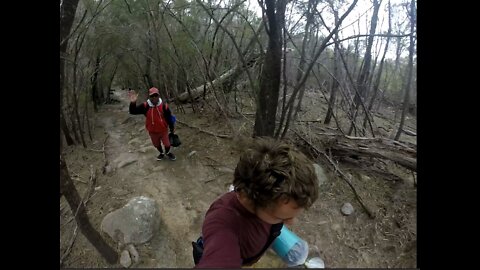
135,223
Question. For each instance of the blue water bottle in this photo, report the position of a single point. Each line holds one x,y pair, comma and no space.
290,248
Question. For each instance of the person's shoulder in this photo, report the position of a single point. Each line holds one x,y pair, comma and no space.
223,209
165,105
227,200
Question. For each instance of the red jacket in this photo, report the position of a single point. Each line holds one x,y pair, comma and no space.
157,116
155,121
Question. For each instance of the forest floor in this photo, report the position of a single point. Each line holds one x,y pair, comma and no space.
185,188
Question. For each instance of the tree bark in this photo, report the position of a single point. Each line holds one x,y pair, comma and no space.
408,83
65,131
198,91
110,82
77,206
334,82
270,75
312,5
67,15
365,70
94,81
376,84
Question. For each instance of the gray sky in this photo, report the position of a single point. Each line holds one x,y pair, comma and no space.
359,17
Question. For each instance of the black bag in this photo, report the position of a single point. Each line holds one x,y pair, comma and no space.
197,250
274,233
174,140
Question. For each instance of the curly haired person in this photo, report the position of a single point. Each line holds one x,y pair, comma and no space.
273,184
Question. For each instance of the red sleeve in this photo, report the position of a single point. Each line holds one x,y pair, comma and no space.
221,245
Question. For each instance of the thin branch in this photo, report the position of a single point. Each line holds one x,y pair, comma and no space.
105,154
74,179
367,35
213,178
69,249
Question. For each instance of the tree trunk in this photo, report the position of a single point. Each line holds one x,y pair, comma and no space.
408,83
270,75
376,84
365,70
334,82
195,93
67,188
312,6
67,15
148,64
94,81
109,99
65,131
309,68
75,106
87,121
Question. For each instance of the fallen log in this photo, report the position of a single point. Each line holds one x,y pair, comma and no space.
370,213
381,148
197,92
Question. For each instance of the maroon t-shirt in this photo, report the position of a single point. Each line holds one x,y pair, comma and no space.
231,234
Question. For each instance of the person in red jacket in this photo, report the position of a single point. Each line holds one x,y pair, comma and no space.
157,120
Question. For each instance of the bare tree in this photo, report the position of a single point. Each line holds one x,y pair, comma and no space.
365,70
376,84
408,83
67,15
270,75
300,84
334,82
312,5
77,205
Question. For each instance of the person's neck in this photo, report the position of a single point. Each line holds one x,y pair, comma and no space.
246,202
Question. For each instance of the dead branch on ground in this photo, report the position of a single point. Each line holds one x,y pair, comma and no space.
213,178
81,181
343,176
87,196
408,132
310,121
84,201
371,168
381,148
205,131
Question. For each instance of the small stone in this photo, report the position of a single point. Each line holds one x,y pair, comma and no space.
133,252
347,209
125,260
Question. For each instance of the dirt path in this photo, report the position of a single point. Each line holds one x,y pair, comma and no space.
185,188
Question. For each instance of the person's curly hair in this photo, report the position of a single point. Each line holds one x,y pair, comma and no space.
270,169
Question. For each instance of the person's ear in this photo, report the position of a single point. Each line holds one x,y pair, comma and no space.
284,199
